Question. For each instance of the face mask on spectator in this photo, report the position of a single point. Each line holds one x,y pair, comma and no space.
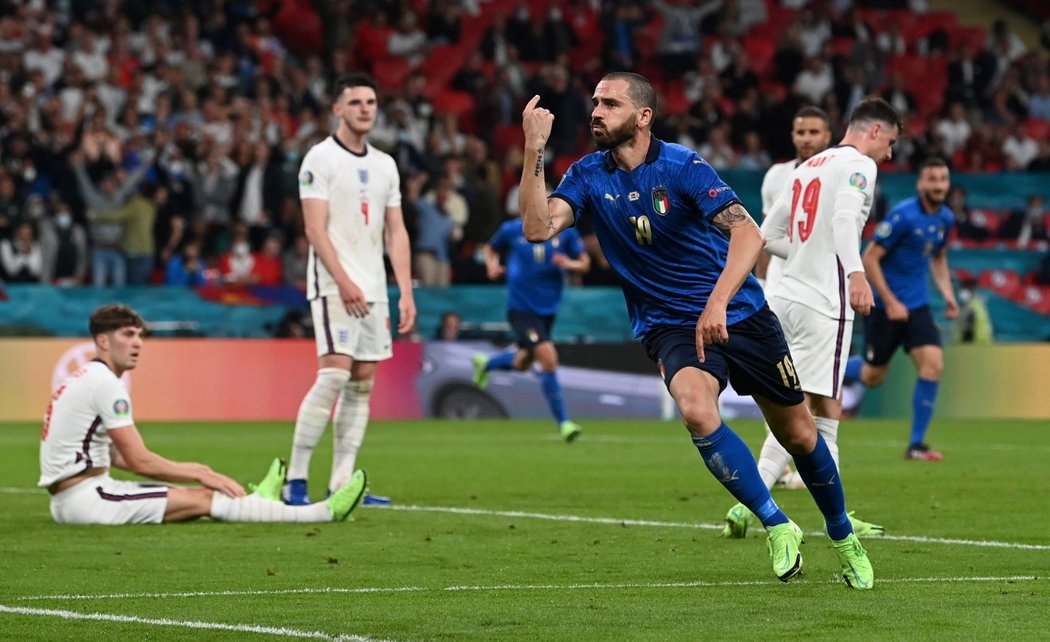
64,220
241,248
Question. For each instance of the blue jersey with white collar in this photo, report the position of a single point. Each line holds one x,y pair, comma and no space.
911,236
654,226
534,282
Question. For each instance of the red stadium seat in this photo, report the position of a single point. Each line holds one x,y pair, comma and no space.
453,102
973,35
508,137
1003,282
391,72
674,100
562,165
761,51
1037,128
441,64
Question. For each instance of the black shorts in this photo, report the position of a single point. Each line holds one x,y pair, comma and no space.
530,329
882,337
756,360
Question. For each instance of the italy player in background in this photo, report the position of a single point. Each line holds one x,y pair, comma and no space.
682,246
535,279
911,241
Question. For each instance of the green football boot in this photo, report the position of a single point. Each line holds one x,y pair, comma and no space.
863,529
856,569
271,485
738,519
343,501
481,375
784,540
569,430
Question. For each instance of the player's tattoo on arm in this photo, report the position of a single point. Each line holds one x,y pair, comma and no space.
732,217
539,162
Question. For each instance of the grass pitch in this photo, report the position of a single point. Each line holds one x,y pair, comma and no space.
502,532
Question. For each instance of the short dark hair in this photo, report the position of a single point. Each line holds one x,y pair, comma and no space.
112,317
875,110
640,89
812,111
351,80
933,161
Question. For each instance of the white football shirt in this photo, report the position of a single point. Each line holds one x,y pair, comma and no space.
822,214
358,188
88,404
776,181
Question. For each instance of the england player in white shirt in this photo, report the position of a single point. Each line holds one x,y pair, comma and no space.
815,226
811,134
351,199
88,428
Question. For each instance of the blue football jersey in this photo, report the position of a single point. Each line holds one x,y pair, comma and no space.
654,226
910,237
534,282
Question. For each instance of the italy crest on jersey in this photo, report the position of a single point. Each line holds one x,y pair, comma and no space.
661,203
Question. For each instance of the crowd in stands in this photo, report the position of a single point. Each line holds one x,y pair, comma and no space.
159,142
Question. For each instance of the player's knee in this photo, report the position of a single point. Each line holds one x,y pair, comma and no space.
931,370
872,376
333,378
361,386
699,417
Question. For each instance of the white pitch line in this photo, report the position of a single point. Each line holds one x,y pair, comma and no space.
646,522
22,491
187,624
510,587
613,521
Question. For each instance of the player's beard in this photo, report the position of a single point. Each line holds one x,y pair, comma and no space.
933,198
613,138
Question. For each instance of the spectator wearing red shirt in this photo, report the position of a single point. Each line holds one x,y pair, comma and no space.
267,269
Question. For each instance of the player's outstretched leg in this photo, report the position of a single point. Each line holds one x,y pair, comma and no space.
256,508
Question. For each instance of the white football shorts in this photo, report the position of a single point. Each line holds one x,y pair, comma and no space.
104,500
819,346
337,332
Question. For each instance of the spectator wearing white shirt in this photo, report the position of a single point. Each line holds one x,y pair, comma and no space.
21,257
815,80
954,130
43,56
1018,148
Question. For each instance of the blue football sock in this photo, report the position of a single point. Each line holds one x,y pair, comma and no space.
922,409
501,361
853,367
552,391
822,479
731,462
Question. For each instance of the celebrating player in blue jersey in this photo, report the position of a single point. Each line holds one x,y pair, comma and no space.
535,275
910,241
683,247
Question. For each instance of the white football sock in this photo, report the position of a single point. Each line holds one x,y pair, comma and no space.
830,429
772,459
255,508
351,420
313,417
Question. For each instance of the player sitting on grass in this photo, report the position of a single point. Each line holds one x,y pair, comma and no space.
88,428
